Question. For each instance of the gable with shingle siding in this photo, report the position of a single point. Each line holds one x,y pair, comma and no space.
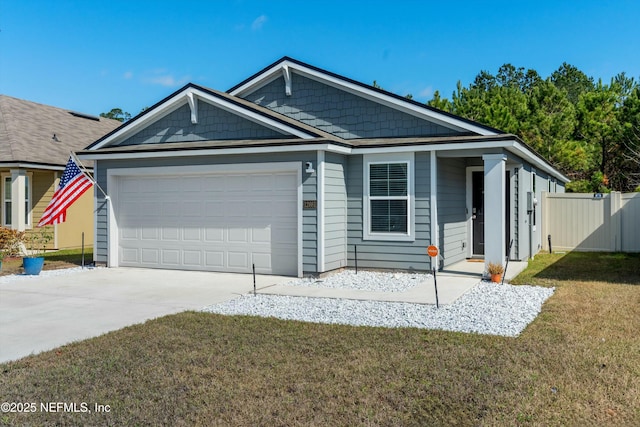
341,113
213,124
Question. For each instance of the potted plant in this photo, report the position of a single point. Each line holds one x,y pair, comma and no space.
10,242
495,271
37,243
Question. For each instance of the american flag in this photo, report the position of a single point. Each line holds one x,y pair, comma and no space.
73,184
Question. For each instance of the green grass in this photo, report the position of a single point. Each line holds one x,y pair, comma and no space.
577,364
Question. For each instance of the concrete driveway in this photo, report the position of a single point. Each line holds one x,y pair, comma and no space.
44,312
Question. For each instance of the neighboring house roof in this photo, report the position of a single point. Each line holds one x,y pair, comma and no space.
41,135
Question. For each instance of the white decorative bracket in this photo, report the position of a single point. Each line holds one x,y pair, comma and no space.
287,80
193,105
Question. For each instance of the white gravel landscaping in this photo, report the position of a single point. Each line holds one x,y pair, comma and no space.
488,308
365,281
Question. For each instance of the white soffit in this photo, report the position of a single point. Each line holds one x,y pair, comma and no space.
286,66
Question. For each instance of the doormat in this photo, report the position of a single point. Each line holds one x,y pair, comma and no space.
475,260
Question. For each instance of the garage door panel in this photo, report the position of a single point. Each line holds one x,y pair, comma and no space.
262,261
129,234
171,257
238,260
192,258
170,233
191,184
149,233
150,256
214,235
214,209
238,235
261,235
129,255
214,259
192,209
212,222
171,209
191,234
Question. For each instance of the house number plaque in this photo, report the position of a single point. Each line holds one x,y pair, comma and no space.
309,204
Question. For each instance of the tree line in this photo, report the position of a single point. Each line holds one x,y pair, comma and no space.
589,130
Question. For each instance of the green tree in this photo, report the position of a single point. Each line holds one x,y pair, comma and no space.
628,144
440,103
598,124
572,80
550,128
116,114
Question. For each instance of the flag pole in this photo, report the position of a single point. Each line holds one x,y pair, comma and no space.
88,174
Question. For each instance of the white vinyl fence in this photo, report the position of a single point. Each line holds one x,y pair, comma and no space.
591,222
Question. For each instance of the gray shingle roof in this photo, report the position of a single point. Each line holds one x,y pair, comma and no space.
27,132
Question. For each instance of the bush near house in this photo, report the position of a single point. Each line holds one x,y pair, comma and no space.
10,241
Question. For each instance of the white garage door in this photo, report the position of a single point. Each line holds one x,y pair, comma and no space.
218,222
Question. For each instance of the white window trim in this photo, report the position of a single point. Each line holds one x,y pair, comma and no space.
29,196
369,159
4,206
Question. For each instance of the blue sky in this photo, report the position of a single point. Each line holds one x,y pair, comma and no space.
92,56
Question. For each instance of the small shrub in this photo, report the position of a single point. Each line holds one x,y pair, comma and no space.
10,241
37,241
494,268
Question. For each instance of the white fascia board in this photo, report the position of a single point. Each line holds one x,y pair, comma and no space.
263,79
443,119
215,152
22,165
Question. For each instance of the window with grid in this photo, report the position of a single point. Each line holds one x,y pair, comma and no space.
7,198
388,197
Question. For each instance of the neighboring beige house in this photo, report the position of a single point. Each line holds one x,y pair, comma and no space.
35,144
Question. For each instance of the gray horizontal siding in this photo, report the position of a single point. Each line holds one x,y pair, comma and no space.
213,124
452,205
340,112
335,212
309,220
384,254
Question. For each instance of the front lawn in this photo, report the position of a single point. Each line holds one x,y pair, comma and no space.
578,363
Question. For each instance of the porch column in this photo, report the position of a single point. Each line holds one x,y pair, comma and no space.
18,198
494,207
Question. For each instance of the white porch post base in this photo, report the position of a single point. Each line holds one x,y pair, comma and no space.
494,206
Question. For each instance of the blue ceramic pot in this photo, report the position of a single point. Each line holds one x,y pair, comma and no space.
33,265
